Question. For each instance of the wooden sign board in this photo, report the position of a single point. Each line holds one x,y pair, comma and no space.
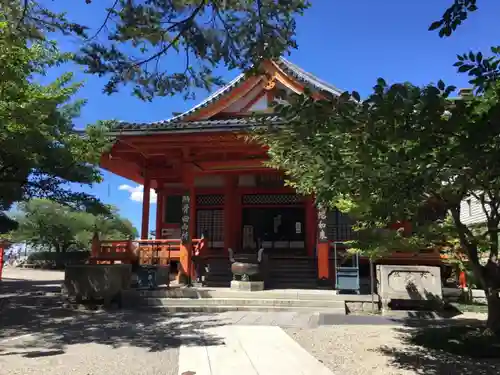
322,235
186,218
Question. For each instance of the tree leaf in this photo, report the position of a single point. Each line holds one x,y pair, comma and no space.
435,25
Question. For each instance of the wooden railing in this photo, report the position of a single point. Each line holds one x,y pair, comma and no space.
146,252
432,255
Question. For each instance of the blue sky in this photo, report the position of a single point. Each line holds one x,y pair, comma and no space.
347,43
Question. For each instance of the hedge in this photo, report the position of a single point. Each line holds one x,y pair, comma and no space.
58,260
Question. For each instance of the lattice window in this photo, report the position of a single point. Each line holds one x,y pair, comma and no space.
339,226
270,180
210,200
211,222
271,199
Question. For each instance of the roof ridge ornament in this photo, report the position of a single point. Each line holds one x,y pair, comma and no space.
270,83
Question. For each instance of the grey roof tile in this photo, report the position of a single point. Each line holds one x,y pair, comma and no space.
307,78
177,123
216,125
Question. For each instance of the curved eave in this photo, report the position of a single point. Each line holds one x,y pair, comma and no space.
294,72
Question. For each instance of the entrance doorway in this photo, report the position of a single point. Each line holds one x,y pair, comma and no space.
210,222
277,229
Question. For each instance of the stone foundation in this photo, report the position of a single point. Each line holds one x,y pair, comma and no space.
416,284
248,286
96,282
353,307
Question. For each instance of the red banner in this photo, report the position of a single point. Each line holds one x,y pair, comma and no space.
1,260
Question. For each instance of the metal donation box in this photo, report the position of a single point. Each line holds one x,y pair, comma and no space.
346,269
146,277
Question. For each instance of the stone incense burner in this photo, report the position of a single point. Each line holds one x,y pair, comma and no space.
246,266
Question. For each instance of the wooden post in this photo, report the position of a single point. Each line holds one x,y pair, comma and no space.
145,207
1,258
230,226
188,228
323,248
310,226
96,245
159,212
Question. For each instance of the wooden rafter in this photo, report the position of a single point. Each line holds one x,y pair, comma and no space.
231,97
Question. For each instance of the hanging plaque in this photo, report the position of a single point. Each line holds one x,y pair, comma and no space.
322,236
186,208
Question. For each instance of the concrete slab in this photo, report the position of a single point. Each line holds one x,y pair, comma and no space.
247,286
264,302
290,294
249,350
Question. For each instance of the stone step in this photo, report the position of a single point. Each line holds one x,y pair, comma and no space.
294,274
255,302
226,293
226,308
287,270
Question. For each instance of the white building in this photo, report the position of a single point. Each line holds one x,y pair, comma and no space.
471,212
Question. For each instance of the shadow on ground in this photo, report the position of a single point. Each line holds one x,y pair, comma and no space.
446,347
433,347
36,309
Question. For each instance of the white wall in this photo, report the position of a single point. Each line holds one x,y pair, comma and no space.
471,212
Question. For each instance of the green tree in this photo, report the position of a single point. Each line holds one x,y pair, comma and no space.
135,37
404,153
57,227
40,152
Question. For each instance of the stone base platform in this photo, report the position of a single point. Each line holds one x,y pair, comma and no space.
247,286
181,298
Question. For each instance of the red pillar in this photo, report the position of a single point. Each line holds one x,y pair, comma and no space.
462,278
186,267
323,247
1,259
310,226
159,212
145,207
230,226
96,245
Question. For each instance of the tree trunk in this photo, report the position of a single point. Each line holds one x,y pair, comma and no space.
493,322
491,277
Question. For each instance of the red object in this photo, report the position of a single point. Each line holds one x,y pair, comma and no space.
200,246
404,225
1,260
462,280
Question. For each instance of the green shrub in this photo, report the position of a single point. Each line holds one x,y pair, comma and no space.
58,260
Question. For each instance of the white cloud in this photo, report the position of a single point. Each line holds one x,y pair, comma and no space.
137,192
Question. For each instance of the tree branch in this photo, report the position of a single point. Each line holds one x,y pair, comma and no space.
184,22
103,25
467,239
23,14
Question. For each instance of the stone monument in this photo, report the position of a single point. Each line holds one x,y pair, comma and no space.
419,284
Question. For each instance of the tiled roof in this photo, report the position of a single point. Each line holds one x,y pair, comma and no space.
214,125
307,78
177,123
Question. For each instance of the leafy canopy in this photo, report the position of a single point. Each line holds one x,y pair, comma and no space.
135,36
53,226
40,152
405,153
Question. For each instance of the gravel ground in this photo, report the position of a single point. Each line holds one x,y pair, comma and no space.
382,350
350,349
39,336
87,359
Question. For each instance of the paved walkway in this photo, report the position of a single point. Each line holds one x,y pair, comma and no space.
249,350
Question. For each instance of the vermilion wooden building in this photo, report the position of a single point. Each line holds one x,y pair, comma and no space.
199,156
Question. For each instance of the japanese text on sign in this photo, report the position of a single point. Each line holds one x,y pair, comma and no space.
186,200
322,236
